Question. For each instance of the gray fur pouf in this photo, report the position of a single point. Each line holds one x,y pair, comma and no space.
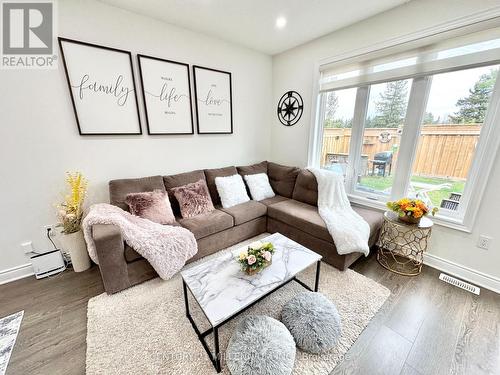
260,345
313,321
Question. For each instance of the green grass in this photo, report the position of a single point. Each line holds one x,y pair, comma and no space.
379,183
376,182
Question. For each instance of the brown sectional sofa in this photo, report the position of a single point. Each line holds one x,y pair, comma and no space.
292,212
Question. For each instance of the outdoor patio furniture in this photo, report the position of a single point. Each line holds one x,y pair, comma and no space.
449,204
383,162
452,202
339,160
421,190
425,187
338,168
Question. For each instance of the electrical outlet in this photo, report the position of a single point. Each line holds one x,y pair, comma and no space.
52,228
484,242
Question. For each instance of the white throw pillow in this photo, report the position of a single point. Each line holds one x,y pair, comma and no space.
259,186
231,190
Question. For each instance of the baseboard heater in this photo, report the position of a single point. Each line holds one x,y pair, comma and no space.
48,264
459,283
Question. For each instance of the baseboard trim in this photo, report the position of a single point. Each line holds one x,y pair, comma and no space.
468,274
16,273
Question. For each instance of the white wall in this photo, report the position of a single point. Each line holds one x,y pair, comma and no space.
294,69
40,141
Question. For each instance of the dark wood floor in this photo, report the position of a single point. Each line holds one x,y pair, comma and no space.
425,327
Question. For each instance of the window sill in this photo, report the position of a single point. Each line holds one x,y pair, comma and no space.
447,222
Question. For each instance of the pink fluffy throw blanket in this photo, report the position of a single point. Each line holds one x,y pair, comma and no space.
165,247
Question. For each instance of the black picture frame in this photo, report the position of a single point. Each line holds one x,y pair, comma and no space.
81,131
197,99
141,74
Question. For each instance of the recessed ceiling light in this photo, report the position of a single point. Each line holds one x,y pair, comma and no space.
280,22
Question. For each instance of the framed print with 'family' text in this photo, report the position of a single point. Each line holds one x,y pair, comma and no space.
102,87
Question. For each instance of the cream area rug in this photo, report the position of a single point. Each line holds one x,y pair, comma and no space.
144,329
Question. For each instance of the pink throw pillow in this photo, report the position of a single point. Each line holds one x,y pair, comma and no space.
193,199
153,205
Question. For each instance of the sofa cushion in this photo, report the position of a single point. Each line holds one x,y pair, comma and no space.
305,217
253,169
177,180
245,212
259,186
119,189
211,174
374,219
274,200
207,224
152,205
282,178
193,198
306,188
231,190
302,216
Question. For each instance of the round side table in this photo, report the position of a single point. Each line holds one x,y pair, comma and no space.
401,246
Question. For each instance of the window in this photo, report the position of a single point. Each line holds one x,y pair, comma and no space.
416,123
338,116
450,131
384,122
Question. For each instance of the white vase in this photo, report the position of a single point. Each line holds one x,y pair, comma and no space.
74,244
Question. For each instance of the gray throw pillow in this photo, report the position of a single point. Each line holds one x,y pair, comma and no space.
260,345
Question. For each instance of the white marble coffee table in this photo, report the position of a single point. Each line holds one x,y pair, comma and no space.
223,291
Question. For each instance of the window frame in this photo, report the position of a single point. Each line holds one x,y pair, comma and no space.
419,92
482,163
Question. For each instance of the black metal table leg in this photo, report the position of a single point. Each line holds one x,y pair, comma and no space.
316,283
216,345
186,302
215,357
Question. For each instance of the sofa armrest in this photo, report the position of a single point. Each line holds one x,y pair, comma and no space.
110,249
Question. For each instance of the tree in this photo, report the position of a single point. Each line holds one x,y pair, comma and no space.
429,118
330,124
332,104
472,108
369,122
338,123
346,123
391,106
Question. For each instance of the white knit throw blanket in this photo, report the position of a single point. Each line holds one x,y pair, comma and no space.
165,247
349,231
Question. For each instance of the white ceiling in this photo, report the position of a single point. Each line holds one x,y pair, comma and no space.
251,23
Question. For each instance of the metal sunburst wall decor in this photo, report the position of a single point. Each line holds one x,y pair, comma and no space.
290,108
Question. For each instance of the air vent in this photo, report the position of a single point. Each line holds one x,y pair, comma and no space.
459,283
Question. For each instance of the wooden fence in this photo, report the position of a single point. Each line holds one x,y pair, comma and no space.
443,150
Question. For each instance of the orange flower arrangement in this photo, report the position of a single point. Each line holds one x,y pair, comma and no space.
411,210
